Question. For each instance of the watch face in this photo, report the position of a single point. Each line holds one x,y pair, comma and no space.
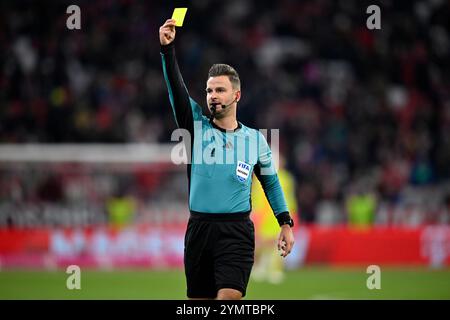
289,222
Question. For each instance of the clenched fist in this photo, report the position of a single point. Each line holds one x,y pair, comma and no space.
167,32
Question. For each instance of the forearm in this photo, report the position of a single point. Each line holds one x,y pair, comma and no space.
274,193
178,94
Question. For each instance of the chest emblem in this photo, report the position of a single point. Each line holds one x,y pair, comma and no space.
242,171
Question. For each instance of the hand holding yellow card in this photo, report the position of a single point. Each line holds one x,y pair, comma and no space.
178,16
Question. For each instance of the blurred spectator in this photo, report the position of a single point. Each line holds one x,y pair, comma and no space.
121,210
361,206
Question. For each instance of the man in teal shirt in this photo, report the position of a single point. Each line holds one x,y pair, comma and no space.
219,241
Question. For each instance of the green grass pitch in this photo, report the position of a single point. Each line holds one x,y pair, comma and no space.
306,283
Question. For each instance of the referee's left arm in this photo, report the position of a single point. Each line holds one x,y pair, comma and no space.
267,175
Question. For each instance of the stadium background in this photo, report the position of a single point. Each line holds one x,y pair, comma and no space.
85,127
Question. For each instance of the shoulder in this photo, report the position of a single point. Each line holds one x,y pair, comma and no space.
254,133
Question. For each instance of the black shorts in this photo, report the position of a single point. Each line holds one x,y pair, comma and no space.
219,253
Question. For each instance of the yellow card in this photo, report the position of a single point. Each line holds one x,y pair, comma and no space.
178,16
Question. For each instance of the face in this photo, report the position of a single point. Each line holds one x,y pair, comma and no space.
219,90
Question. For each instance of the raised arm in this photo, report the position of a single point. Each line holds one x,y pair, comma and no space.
178,94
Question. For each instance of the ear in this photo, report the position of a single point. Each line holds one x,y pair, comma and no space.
238,95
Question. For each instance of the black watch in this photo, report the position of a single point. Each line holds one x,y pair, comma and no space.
289,222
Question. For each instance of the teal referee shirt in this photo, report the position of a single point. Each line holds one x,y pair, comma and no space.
222,162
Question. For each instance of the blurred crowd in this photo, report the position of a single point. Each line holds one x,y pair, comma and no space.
364,115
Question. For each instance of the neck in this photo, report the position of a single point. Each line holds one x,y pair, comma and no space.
227,123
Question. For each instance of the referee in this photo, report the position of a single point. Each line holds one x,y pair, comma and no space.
220,240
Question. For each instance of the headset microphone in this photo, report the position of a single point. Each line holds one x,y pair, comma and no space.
227,105
214,107
215,104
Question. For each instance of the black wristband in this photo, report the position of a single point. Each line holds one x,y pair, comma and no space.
284,218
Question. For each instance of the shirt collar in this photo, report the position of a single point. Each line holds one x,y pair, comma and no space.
222,129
